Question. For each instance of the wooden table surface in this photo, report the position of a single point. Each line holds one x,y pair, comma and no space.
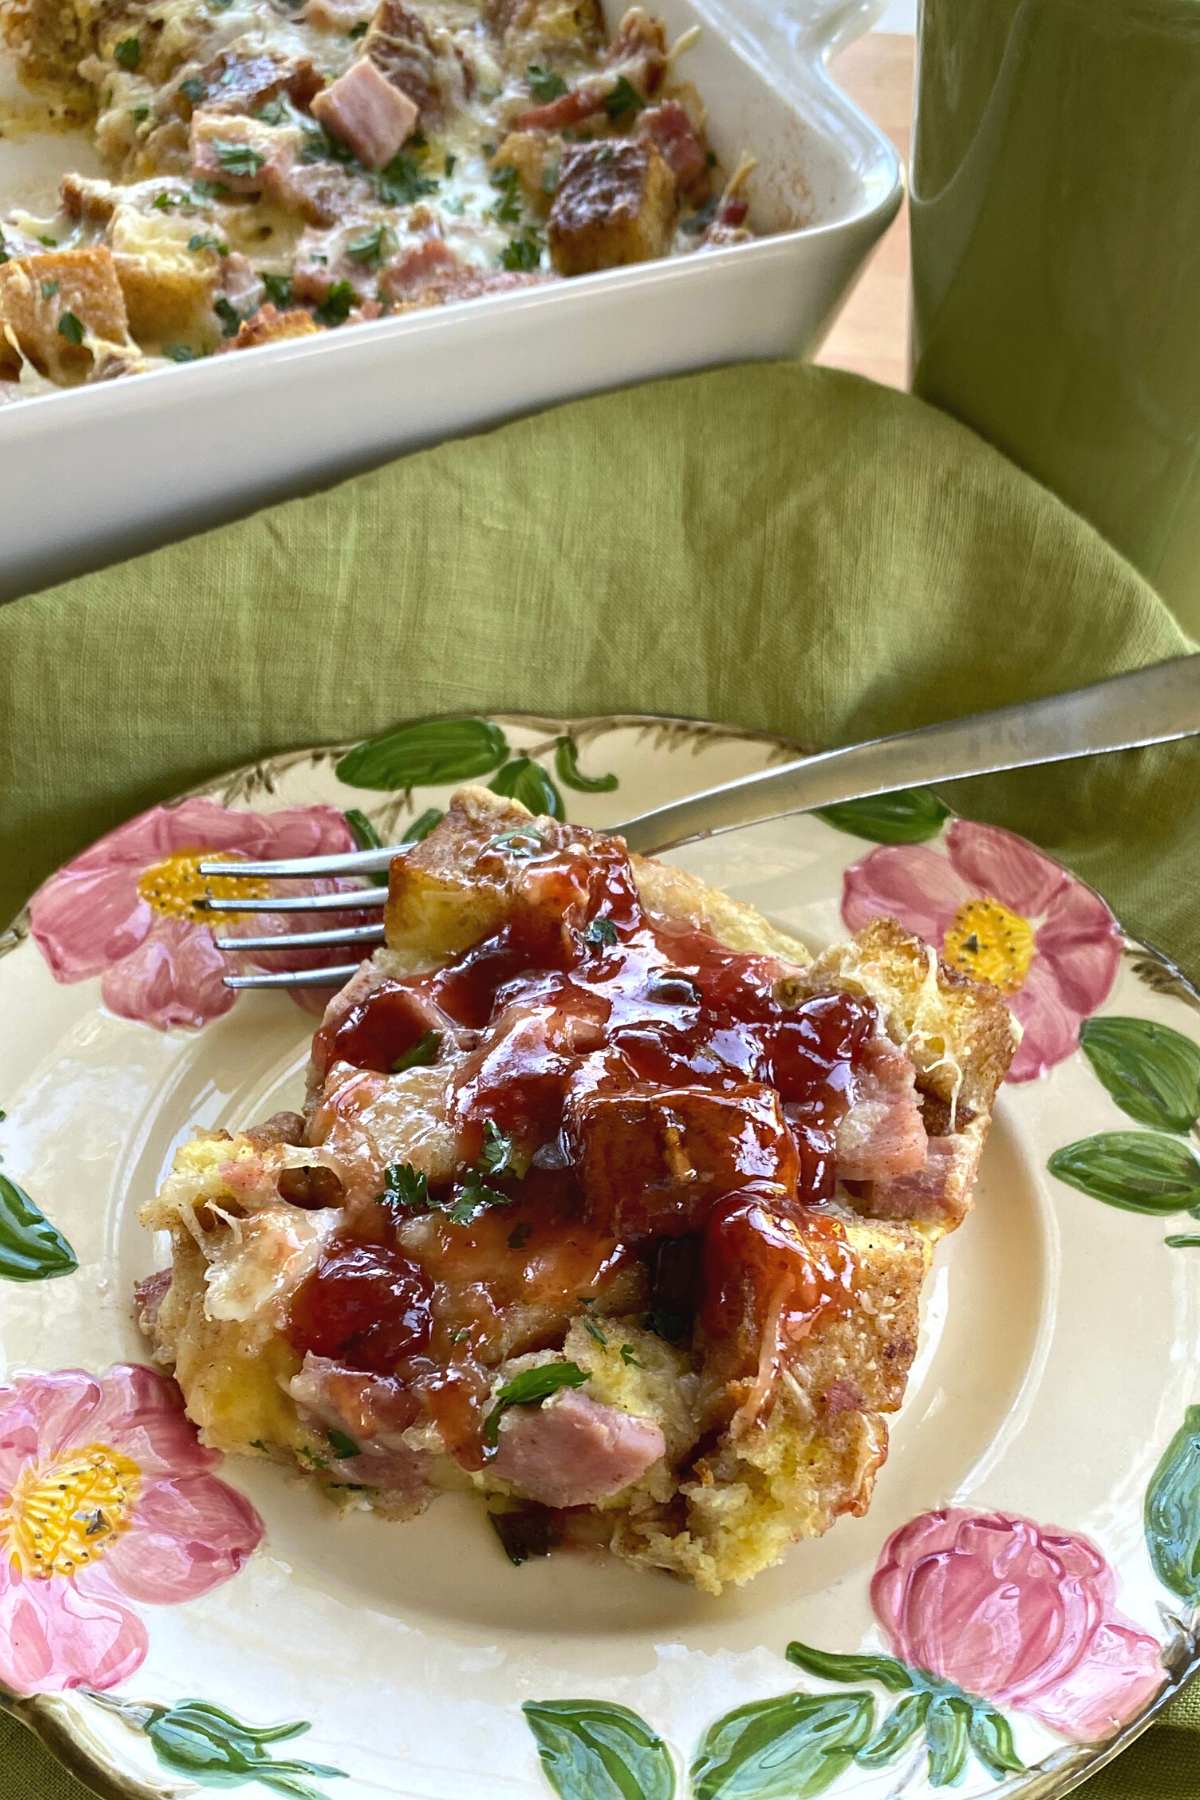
870,335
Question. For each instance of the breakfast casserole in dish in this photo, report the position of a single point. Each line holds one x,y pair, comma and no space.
277,169
607,1201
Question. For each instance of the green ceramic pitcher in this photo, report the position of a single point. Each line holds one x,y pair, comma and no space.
1056,256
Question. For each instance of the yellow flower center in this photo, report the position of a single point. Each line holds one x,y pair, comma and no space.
990,942
61,1518
174,886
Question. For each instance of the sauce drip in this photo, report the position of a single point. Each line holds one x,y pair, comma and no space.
649,1083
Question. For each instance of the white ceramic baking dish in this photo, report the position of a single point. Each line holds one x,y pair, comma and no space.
95,473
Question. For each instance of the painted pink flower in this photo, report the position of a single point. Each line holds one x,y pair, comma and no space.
106,1500
995,907
1021,1615
126,910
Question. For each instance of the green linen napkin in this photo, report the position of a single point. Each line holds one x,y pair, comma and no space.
788,548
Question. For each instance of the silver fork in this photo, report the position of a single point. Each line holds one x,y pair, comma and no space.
1149,706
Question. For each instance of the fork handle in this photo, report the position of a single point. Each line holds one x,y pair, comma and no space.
1148,706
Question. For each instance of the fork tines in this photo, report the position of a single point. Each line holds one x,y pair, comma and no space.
345,900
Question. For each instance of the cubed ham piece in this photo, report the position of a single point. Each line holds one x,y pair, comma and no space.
367,112
671,130
881,1134
373,1413
574,1452
939,1193
416,266
654,1160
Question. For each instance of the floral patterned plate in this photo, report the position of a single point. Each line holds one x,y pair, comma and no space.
1025,1589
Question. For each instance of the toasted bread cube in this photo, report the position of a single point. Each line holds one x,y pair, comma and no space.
38,292
536,156
268,325
615,204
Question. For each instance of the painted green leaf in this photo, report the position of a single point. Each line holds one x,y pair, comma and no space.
433,751
784,1749
992,1741
31,1248
595,1750
1152,1072
422,825
1183,1240
1172,1513
946,1725
1138,1170
566,761
868,1666
367,838
525,780
903,1722
908,816
217,1750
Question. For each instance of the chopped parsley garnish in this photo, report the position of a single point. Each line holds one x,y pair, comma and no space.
3,259
335,307
497,1156
460,1334
507,210
401,183
623,99
139,114
530,1388
544,84
219,5
49,289
456,205
320,147
601,931
518,1237
524,252
359,30
209,190
418,141
3,1115
450,162
128,52
51,243
192,89
341,1444
204,240
549,181
239,159
593,1330
628,1356
278,289
423,1053
274,112
407,1187
710,159
180,353
228,314
71,327
373,246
